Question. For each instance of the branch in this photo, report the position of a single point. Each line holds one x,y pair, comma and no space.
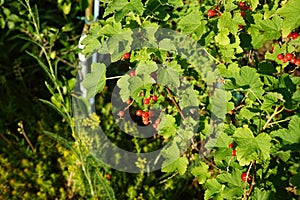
175,103
253,180
271,117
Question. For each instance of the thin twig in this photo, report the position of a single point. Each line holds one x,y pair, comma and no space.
114,77
279,121
22,131
272,116
65,62
253,180
175,103
5,139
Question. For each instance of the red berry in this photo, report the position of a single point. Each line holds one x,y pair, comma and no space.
146,121
241,4
231,112
297,62
107,176
121,113
289,35
240,26
139,113
289,56
293,60
230,145
129,101
284,59
211,13
245,177
154,97
242,14
233,153
146,101
141,94
295,35
132,73
280,56
126,56
272,50
145,115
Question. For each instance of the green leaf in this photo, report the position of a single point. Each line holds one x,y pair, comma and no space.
248,77
296,96
168,76
119,44
95,81
246,113
175,3
123,84
234,185
222,37
146,68
213,191
262,194
167,127
201,172
137,83
173,160
223,140
264,29
219,103
230,23
188,24
290,135
254,4
271,99
251,148
121,8
290,12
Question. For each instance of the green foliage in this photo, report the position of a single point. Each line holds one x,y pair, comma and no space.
253,97
226,105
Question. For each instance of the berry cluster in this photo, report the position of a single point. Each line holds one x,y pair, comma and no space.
146,102
231,146
288,57
244,6
147,114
